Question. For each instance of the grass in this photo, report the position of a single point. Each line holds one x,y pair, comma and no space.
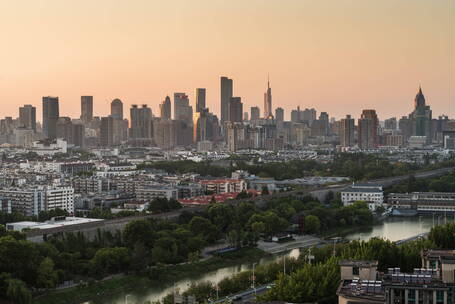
111,289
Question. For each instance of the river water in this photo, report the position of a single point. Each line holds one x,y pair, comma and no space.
393,228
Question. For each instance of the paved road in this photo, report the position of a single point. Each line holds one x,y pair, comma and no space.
300,241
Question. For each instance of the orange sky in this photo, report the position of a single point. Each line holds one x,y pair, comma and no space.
339,56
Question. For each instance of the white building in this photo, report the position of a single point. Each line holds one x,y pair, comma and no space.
60,198
49,147
370,193
55,222
218,186
32,201
149,193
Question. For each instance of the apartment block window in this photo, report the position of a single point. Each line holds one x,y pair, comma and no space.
411,296
440,297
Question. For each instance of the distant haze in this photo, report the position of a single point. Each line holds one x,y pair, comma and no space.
337,56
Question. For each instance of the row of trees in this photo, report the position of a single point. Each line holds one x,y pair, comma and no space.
357,166
445,183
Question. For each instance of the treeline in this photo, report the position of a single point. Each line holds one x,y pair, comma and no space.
358,166
445,183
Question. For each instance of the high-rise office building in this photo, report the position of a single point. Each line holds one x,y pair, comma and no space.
391,123
141,126
235,109
279,114
226,94
324,121
117,109
27,117
78,134
205,126
165,133
86,108
309,115
268,102
421,117
347,131
165,108
182,109
368,130
107,131
65,129
245,116
50,116
199,100
296,115
255,113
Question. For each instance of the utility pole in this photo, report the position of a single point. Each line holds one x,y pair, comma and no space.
254,279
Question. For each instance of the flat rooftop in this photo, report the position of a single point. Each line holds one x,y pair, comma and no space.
19,226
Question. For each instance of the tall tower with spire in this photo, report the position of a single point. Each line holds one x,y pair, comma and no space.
268,101
421,117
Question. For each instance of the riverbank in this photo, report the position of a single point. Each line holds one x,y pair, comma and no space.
108,291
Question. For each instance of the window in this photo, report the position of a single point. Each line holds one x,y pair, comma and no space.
411,296
355,271
439,297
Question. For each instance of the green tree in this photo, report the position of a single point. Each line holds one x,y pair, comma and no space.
139,231
312,224
110,260
18,292
47,276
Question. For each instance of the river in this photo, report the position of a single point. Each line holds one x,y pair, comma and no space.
393,228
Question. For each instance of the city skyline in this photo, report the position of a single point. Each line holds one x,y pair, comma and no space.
106,50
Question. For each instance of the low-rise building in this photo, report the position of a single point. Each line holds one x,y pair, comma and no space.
149,193
432,284
422,202
370,193
217,186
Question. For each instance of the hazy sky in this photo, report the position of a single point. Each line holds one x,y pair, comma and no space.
338,56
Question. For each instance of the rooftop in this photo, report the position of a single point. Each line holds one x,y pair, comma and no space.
357,263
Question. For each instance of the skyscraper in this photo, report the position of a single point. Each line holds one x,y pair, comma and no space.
65,129
324,120
235,109
107,131
391,123
165,108
199,100
117,109
255,113
421,117
141,126
50,116
78,134
368,130
86,108
279,114
309,115
347,131
226,94
182,108
27,117
268,101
